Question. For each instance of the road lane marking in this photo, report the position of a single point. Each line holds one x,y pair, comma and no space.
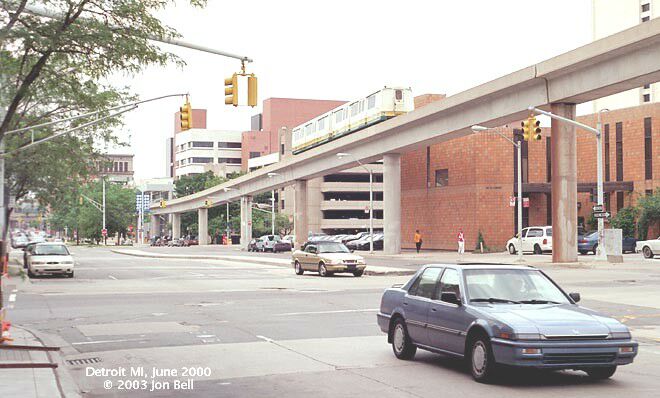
112,277
266,339
12,297
326,312
105,341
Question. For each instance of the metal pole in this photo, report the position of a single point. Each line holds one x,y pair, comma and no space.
227,225
520,200
105,238
599,158
272,208
371,211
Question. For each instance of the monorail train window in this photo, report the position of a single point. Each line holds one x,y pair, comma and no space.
355,108
398,95
371,101
308,128
322,122
338,116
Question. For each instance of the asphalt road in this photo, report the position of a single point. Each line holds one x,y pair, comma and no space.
248,330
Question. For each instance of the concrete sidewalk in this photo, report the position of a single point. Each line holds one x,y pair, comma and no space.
41,376
283,262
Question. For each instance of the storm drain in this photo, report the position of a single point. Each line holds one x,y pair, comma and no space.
83,361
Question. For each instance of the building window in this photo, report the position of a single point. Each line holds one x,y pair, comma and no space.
645,19
201,160
606,200
126,166
282,149
607,152
121,167
619,200
648,149
282,204
646,86
230,160
646,98
235,145
648,192
202,144
442,178
646,7
254,154
619,151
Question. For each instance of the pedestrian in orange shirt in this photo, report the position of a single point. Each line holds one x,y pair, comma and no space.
418,240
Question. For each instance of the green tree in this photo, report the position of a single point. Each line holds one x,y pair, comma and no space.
54,68
625,220
649,213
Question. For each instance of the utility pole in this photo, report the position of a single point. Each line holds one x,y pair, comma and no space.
272,207
105,237
227,225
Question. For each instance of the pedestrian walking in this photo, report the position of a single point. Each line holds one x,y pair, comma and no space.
418,240
461,241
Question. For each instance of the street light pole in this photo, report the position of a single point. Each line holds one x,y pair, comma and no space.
518,145
105,238
272,207
601,194
227,225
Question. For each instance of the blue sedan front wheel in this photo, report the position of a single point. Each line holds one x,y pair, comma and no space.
482,362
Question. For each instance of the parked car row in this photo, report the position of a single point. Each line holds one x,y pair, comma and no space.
272,243
174,242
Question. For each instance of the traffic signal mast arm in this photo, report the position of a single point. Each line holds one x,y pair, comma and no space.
92,201
563,119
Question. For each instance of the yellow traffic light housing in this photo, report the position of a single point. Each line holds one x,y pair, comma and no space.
185,116
231,90
536,128
526,129
208,203
252,90
81,200
163,203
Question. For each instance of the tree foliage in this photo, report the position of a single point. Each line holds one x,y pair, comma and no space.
649,213
625,220
55,68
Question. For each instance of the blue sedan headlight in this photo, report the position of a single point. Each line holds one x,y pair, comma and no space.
619,335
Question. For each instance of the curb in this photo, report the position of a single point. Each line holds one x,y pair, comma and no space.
65,382
256,261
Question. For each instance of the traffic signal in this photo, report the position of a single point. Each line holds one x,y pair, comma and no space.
208,203
526,129
252,90
81,200
231,90
185,116
536,128
163,204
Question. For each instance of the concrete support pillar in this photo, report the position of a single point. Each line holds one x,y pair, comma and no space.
246,221
300,226
176,225
564,186
392,203
203,225
154,225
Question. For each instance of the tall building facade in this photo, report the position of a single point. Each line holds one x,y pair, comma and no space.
610,17
116,168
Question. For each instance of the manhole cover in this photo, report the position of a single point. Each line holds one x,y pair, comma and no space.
83,361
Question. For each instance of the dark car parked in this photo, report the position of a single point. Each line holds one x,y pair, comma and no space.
281,246
364,243
589,243
494,315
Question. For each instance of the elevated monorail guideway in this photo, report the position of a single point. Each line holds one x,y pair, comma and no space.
616,63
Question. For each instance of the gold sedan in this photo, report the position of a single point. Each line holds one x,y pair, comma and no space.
326,258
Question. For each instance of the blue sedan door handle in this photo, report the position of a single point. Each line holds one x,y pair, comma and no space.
434,309
405,303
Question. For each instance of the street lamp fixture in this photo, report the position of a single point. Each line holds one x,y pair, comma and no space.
479,129
341,155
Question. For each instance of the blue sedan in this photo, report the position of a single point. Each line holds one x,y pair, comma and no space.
494,315
589,243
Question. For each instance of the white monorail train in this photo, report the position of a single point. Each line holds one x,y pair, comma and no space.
352,116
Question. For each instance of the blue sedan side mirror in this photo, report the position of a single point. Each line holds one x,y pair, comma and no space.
574,296
450,297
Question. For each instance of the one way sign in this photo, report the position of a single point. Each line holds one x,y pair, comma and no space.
604,214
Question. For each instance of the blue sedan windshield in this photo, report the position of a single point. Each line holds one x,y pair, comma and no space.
511,286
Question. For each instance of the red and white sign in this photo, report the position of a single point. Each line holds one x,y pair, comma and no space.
249,223
512,201
130,228
366,209
104,232
525,202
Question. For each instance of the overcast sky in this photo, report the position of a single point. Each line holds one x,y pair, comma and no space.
343,50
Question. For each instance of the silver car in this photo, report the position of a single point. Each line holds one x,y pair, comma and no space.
48,259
